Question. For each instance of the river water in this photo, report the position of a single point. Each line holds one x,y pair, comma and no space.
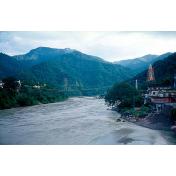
80,120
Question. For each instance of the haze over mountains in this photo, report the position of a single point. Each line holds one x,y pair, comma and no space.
140,64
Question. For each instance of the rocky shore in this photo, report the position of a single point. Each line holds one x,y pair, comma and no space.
153,120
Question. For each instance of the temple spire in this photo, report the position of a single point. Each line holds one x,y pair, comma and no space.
150,75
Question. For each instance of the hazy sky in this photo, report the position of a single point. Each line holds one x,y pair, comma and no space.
111,46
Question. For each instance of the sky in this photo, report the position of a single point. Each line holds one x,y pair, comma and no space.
111,46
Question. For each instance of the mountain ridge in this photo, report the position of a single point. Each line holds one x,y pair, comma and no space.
141,63
54,66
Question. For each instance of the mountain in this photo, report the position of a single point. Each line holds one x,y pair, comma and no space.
67,67
42,54
8,66
53,66
140,64
164,71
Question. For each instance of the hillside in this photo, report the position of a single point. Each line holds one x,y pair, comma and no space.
8,66
164,71
67,67
79,69
140,64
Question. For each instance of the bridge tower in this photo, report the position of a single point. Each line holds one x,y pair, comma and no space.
136,84
65,84
150,75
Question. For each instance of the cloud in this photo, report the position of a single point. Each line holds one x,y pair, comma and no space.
111,46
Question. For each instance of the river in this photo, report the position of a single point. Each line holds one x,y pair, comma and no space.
79,120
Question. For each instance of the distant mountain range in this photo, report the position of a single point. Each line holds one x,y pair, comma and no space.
58,67
138,65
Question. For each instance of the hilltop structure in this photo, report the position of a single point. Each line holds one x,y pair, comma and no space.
150,74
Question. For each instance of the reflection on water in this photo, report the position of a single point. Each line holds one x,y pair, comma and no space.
75,121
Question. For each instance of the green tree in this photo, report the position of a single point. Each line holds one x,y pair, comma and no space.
123,95
10,84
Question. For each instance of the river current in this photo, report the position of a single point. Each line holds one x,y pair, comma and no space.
78,120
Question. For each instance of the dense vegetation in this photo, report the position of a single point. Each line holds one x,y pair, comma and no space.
13,96
127,100
66,67
8,66
164,73
123,95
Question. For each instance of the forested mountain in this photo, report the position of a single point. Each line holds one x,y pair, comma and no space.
8,65
140,64
164,71
59,67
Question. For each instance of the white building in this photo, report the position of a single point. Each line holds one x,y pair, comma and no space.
1,84
37,86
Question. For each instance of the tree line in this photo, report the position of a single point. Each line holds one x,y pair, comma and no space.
14,95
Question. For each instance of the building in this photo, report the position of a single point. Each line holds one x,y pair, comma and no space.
159,96
1,84
36,86
18,87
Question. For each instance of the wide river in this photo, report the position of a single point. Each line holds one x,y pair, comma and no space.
80,120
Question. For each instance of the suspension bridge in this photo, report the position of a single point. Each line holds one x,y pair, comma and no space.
71,89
